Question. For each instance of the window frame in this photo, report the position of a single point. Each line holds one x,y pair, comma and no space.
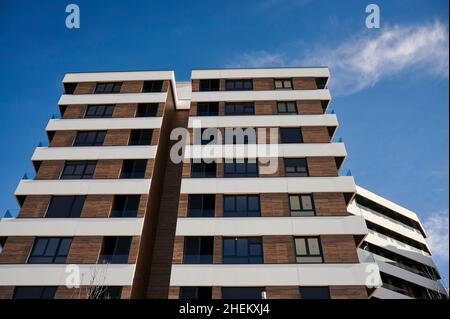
210,87
125,212
236,259
286,103
283,82
57,258
199,258
203,172
114,257
202,211
236,174
247,212
296,173
207,109
98,140
73,204
153,86
103,114
87,164
308,254
47,292
132,174
301,212
229,87
287,137
148,106
139,137
116,87
237,105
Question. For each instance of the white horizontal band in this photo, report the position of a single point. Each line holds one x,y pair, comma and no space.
69,99
408,276
275,275
104,124
383,293
263,121
266,226
56,275
260,73
387,222
71,227
400,248
83,187
118,76
235,96
94,152
344,184
264,150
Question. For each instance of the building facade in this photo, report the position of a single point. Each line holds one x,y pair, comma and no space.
397,242
251,206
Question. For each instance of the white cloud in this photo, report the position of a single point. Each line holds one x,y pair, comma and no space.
366,59
436,226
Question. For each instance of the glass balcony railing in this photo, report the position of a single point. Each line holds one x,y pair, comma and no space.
398,243
363,208
365,256
396,289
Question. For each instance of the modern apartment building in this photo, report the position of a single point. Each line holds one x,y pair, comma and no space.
397,242
265,214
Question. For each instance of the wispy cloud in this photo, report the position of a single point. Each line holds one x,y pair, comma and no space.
437,229
367,58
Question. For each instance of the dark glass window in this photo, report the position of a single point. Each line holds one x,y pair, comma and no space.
201,205
200,293
314,293
34,292
240,135
133,168
295,167
69,88
283,84
198,250
125,206
89,138
242,108
241,206
109,292
152,86
48,250
287,108
103,88
242,293
115,250
140,137
308,250
203,169
291,135
240,168
208,136
321,83
147,110
2,243
239,85
95,111
207,109
78,170
65,207
301,205
210,85
242,250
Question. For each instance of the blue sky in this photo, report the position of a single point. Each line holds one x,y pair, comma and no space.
389,85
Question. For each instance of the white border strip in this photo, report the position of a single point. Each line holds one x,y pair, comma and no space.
104,124
266,226
71,226
83,187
